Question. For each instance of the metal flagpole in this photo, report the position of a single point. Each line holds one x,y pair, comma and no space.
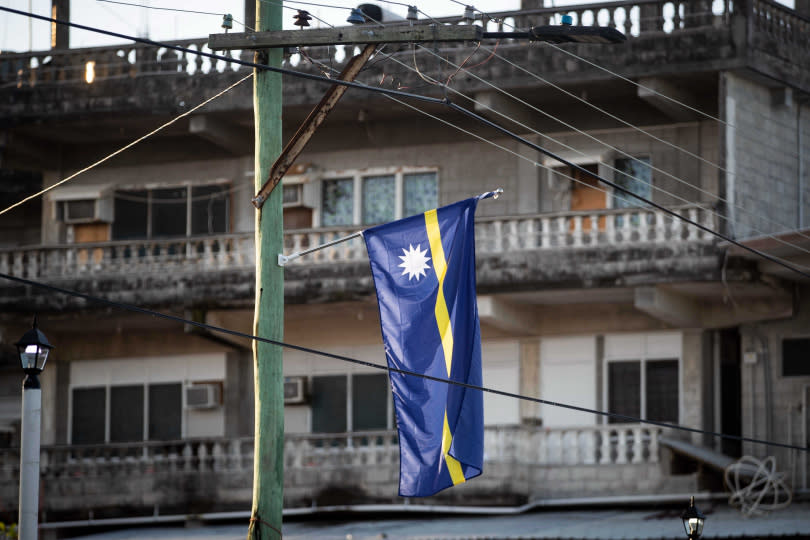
284,259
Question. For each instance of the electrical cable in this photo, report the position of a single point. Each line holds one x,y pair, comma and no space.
635,83
309,350
406,372
688,184
428,99
611,147
640,130
125,147
173,9
483,139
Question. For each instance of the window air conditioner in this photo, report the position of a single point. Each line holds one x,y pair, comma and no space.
294,390
86,210
203,396
292,195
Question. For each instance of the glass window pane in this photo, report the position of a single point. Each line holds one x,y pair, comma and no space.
634,175
210,209
624,390
379,199
131,215
795,357
369,402
165,412
329,404
169,212
338,202
662,390
88,418
126,413
421,193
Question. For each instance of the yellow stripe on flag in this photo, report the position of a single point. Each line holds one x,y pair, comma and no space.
445,331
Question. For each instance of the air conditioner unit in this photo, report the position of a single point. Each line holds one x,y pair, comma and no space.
203,396
294,390
86,210
292,195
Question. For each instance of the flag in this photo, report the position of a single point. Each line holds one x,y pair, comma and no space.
424,273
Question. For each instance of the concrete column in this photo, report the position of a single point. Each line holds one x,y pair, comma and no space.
529,379
250,15
692,373
60,33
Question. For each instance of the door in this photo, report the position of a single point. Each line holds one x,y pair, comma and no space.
86,233
586,194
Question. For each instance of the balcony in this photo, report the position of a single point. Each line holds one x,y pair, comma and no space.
218,270
142,84
207,475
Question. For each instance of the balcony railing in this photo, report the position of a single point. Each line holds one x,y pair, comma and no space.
635,18
570,230
617,444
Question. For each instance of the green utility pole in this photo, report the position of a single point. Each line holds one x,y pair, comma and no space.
268,446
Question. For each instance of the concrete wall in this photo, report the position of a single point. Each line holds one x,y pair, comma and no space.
766,148
773,406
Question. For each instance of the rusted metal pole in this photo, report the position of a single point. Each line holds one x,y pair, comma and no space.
311,125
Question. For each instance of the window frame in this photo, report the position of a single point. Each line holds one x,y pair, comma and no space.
390,421
108,410
643,354
357,176
606,168
615,172
782,370
189,186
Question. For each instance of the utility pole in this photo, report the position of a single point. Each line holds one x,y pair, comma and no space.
268,446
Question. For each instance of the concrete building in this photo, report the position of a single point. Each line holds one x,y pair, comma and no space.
585,297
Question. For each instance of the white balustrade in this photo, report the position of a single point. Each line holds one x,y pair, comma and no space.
574,230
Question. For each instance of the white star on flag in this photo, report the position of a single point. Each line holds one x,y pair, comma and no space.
414,262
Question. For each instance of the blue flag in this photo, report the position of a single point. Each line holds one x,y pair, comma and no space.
424,273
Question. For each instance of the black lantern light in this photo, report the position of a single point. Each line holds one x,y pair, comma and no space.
33,349
693,520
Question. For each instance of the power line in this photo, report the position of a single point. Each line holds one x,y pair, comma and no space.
125,147
626,154
406,372
616,149
429,99
300,348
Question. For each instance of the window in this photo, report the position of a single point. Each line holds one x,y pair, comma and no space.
641,375
377,198
338,200
795,357
643,389
171,212
358,402
117,413
634,175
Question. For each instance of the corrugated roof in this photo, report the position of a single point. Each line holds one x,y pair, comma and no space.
721,522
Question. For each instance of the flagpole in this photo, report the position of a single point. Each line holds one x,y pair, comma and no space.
284,259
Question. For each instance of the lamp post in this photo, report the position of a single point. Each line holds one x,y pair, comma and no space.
693,520
33,349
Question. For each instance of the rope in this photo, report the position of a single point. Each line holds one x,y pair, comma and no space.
756,487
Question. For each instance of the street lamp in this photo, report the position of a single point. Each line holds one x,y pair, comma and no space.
693,521
33,349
